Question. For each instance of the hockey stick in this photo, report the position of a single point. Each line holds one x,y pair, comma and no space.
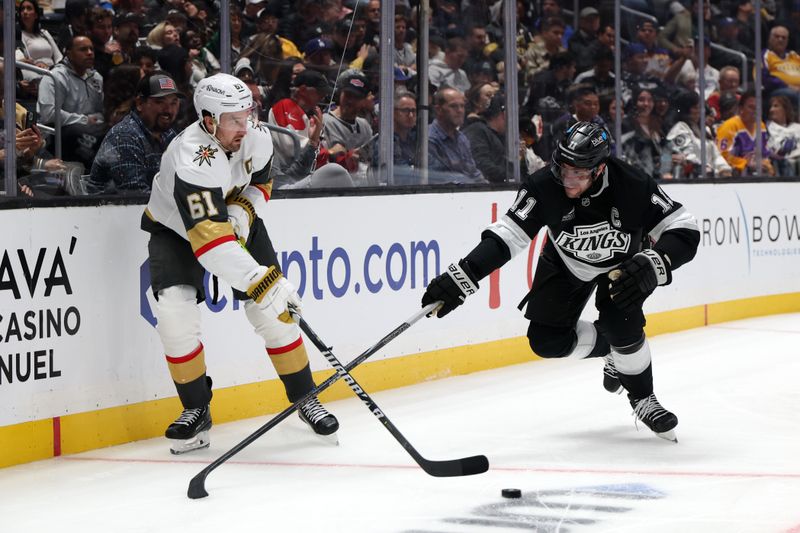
466,466
197,484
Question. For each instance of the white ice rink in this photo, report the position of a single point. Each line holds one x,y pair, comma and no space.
547,427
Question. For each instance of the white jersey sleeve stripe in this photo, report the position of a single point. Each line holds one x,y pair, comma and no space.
514,236
681,218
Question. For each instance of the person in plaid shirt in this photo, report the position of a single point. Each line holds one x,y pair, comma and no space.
130,154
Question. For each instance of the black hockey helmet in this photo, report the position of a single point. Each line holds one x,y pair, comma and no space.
584,145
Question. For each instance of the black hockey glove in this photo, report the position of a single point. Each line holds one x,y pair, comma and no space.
637,278
452,288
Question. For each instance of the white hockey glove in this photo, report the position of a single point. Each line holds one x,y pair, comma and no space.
241,215
637,278
273,293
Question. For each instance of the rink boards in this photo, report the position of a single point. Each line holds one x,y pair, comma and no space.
81,364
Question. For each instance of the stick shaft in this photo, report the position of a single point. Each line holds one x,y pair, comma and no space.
453,467
196,485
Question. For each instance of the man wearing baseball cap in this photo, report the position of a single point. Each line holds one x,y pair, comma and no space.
348,136
301,114
318,51
582,40
130,154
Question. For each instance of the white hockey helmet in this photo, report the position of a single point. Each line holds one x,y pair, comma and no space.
221,93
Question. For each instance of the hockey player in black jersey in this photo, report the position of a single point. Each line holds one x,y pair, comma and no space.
609,227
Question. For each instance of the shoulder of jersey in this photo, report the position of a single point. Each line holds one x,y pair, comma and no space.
258,143
620,170
627,180
199,158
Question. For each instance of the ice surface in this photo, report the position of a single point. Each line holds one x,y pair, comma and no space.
548,428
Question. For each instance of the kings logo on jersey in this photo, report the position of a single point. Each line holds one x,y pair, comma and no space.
595,243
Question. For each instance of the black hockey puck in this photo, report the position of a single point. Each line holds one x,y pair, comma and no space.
511,493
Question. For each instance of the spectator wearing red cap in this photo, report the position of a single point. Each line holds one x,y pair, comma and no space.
300,113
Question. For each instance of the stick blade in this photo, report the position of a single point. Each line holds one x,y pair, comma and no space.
468,466
477,464
197,487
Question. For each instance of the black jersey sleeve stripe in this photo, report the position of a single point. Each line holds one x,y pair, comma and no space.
263,176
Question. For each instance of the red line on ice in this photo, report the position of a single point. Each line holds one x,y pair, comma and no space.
553,470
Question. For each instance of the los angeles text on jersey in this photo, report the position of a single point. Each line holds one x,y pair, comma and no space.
594,244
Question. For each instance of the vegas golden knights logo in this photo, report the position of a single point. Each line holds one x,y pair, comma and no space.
204,154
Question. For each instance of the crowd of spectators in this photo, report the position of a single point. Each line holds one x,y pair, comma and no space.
126,70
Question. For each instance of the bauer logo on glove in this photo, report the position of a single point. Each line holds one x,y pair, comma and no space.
451,288
462,280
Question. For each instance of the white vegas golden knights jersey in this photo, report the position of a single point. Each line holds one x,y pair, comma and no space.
195,158
195,184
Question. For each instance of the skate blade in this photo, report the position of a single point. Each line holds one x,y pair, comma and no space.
332,439
198,442
668,435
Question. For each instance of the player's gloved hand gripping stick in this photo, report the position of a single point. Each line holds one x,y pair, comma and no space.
450,288
275,294
637,278
197,484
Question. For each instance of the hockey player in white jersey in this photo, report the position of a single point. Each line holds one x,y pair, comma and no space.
202,215
610,228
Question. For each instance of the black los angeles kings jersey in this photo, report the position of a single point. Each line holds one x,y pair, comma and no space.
594,233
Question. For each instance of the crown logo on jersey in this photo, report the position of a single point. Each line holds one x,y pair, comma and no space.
204,155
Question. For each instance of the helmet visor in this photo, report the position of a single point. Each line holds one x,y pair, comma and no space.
237,120
571,177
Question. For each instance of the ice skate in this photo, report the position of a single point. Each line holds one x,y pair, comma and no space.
190,430
319,420
655,417
610,378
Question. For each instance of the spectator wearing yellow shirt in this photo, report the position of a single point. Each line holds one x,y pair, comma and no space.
781,66
736,139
